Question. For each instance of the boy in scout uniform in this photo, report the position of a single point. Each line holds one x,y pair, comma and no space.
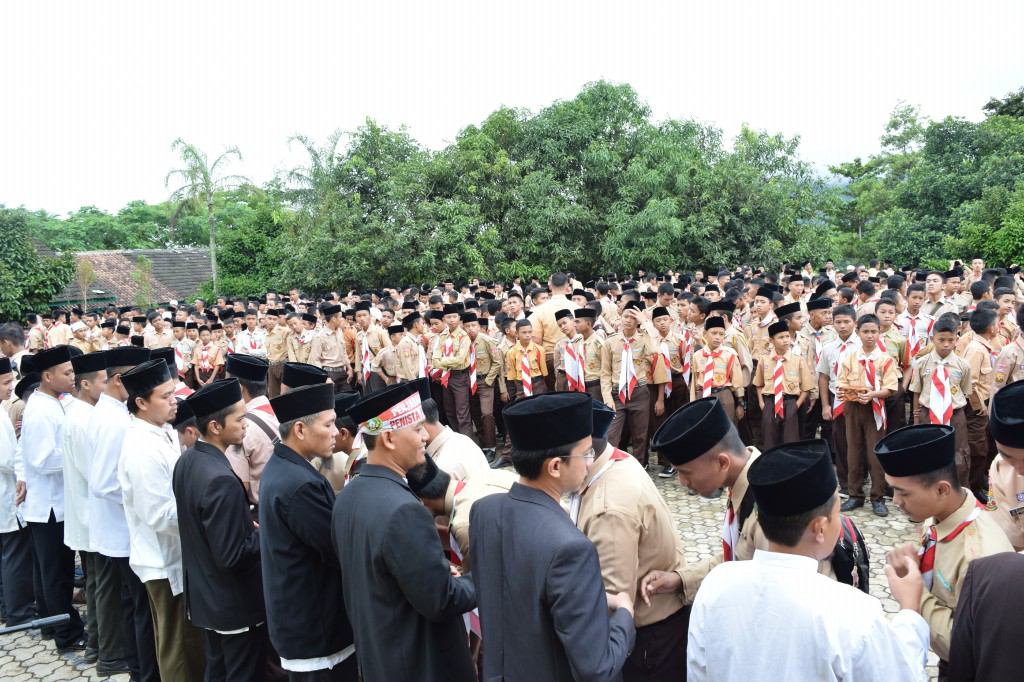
484,351
327,349
892,343
588,349
672,351
566,324
1006,475
940,383
716,371
451,357
1007,301
1010,362
629,361
919,465
302,331
735,337
785,382
811,340
277,349
980,356
534,354
866,378
411,356
385,363
370,340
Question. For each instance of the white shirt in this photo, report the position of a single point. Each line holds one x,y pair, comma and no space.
11,471
776,618
831,358
456,454
108,530
145,469
252,343
41,451
77,455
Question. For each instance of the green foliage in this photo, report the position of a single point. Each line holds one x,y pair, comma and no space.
28,281
143,278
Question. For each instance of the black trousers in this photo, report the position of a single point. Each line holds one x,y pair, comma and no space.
236,658
115,629
659,654
16,566
56,564
146,667
346,671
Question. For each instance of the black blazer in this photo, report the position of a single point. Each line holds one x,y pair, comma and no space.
543,611
301,577
220,547
404,605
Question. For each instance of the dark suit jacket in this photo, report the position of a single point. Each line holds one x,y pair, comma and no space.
988,623
543,610
220,547
301,577
404,605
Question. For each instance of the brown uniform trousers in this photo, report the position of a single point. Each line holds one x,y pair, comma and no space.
637,411
680,396
837,440
179,644
456,402
481,408
861,437
776,432
274,373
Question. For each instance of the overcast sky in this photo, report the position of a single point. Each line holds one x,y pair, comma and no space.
94,92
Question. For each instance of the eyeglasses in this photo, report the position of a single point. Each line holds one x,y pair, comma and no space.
588,455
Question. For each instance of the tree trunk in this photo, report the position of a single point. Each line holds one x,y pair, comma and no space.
213,240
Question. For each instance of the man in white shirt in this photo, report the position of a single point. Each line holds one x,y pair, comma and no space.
148,453
15,539
41,451
805,625
252,340
108,528
454,453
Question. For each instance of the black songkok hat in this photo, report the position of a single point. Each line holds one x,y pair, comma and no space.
27,381
1006,415
343,401
564,312
145,377
659,311
766,292
585,314
303,402
7,368
51,357
165,354
450,309
139,319
399,329
108,324
850,276
183,414
329,310
793,479
379,402
309,317
178,323
363,305
827,285
410,319
637,305
549,420
138,341
215,326
819,304
248,368
726,306
124,356
215,397
915,450
83,364
466,317
787,309
691,431
777,328
191,325
297,374
714,323
603,416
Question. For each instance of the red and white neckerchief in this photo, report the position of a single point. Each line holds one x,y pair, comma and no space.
230,344
252,340
940,399
817,346
472,367
730,530
627,372
364,351
873,379
780,397
204,358
926,552
663,352
266,409
179,358
421,358
181,390
525,372
470,618
768,320
434,372
573,367
576,499
686,353
447,351
709,371
881,344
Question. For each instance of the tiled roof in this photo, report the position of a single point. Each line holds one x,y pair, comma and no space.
177,274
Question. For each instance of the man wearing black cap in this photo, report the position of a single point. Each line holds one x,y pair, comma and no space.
404,604
543,607
219,542
796,634
148,455
43,509
919,465
327,348
451,358
410,353
489,366
810,344
15,539
370,339
301,576
252,454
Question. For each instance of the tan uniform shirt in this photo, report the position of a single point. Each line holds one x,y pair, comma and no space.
1009,364
376,339
590,352
456,454
1007,330
725,366
645,363
545,328
959,379
938,308
328,349
58,334
82,344
796,375
36,339
488,359
538,365
980,357
1008,491
277,344
760,342
386,362
459,358
248,459
895,347
852,375
981,538
463,494
632,529
407,356
737,340
298,350
155,339
671,342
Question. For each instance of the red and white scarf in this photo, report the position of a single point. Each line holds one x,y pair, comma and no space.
627,373
940,399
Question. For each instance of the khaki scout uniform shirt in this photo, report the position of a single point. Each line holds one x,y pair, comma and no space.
376,338
760,342
1008,491
796,375
981,538
1009,365
82,344
407,355
459,359
895,347
164,339
959,380
545,328
488,359
248,459
672,342
298,351
58,334
852,374
810,345
645,363
726,373
1007,330
631,527
538,365
980,360
36,339
277,344
737,340
386,362
328,350
463,494
590,351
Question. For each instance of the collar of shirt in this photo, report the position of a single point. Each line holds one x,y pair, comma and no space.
949,524
105,398
435,445
144,425
256,402
794,562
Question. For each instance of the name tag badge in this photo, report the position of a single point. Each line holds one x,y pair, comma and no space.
1020,497
719,378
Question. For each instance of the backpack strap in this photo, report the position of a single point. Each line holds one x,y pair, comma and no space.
274,438
746,508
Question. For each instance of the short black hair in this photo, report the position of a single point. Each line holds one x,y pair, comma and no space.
978,290
436,488
528,463
867,319
255,389
944,324
788,530
79,378
285,428
844,311
558,279
220,416
946,473
916,286
431,414
866,287
12,331
982,320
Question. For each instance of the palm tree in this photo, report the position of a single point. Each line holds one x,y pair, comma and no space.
315,186
200,182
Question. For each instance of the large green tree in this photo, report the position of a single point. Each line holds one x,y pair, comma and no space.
28,281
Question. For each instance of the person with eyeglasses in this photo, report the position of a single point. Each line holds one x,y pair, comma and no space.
543,607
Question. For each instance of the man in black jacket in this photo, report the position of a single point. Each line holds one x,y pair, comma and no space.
543,608
404,604
301,577
220,545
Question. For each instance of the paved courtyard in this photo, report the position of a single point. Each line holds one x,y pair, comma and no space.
24,656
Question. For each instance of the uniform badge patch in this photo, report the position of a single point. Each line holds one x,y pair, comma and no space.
1000,378
1020,497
